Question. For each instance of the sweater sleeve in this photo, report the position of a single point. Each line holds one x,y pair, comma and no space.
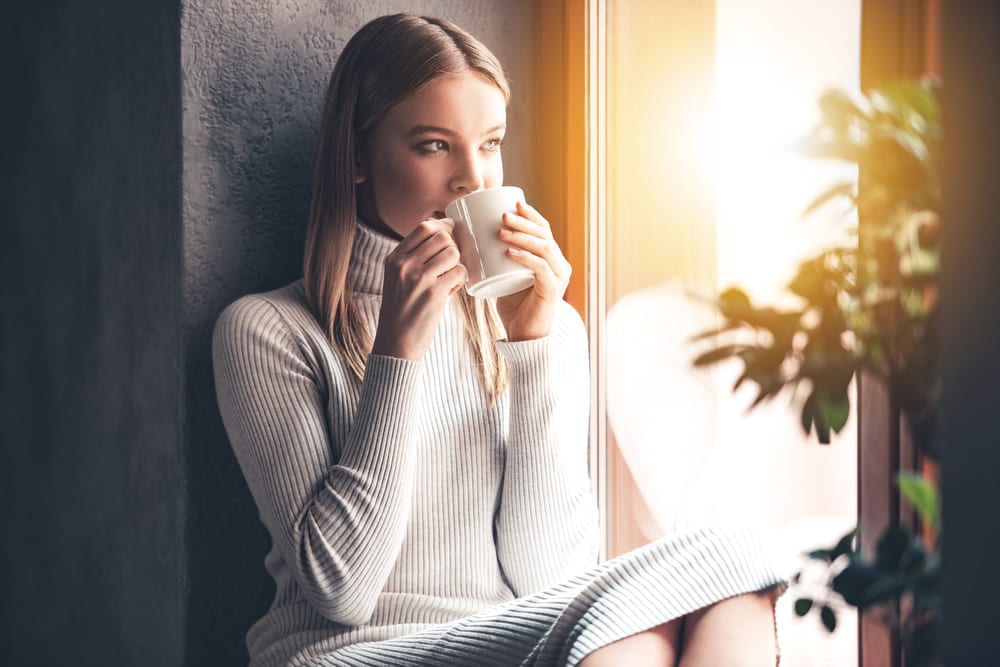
338,524
547,521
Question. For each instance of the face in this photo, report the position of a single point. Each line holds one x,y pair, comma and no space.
440,143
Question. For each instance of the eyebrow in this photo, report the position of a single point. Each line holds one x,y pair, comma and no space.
434,129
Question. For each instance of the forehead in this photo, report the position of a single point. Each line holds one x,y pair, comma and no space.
464,103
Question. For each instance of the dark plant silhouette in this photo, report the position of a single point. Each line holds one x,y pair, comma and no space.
872,306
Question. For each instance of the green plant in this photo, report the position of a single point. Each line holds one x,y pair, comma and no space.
870,305
900,581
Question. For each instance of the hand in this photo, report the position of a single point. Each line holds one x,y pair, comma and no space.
529,314
420,275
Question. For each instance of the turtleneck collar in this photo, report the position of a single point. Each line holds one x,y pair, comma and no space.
367,268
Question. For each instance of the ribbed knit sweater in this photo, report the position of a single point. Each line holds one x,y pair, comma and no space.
406,499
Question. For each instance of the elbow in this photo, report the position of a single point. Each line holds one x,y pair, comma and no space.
354,615
350,608
334,590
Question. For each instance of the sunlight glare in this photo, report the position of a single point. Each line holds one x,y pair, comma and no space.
774,59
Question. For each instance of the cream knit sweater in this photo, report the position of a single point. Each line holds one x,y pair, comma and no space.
406,499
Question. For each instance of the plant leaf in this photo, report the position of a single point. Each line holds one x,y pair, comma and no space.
845,189
811,416
718,354
815,145
734,296
807,413
822,430
802,606
821,554
828,617
839,109
891,547
916,95
845,545
711,333
835,411
855,582
923,495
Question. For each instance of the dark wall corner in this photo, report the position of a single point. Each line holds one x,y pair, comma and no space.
93,551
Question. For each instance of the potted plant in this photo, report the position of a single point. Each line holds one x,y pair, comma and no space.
870,305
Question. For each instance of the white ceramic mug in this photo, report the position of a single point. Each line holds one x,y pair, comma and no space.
477,217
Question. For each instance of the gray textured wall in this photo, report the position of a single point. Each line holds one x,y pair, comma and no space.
158,168
91,567
254,77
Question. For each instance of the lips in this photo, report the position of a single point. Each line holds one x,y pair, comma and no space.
439,214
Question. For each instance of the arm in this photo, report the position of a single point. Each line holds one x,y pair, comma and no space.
338,524
547,521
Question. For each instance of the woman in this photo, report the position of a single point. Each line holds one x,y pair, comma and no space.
419,456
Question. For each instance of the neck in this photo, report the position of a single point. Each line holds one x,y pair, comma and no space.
367,265
379,226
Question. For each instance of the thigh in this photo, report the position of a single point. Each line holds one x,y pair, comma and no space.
561,625
737,631
505,636
656,646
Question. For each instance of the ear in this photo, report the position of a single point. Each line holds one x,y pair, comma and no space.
360,167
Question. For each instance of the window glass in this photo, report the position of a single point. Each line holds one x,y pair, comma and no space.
704,191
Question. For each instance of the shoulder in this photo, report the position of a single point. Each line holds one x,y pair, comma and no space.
284,309
281,316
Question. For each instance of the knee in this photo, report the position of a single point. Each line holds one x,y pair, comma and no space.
656,646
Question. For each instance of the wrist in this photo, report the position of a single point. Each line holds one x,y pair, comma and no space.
517,334
394,348
513,337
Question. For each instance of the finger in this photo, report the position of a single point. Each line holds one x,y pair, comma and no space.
443,261
544,247
520,223
438,242
434,244
546,251
422,232
531,213
544,274
456,277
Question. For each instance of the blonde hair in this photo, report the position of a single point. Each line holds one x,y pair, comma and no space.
388,59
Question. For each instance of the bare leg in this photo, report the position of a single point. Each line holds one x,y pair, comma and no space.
657,646
736,632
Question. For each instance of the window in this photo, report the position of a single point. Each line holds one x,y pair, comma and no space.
691,186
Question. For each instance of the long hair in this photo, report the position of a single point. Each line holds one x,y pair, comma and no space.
388,59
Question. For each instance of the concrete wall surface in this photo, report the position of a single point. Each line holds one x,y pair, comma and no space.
91,471
254,78
159,168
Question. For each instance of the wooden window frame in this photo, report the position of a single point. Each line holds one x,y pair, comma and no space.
569,122
899,38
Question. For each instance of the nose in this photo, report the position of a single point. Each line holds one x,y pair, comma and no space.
468,175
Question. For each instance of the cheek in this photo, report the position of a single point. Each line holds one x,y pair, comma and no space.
394,174
395,184
493,174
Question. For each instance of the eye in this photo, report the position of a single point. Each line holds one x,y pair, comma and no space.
432,146
493,145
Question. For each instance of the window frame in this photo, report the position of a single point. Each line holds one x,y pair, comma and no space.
898,38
